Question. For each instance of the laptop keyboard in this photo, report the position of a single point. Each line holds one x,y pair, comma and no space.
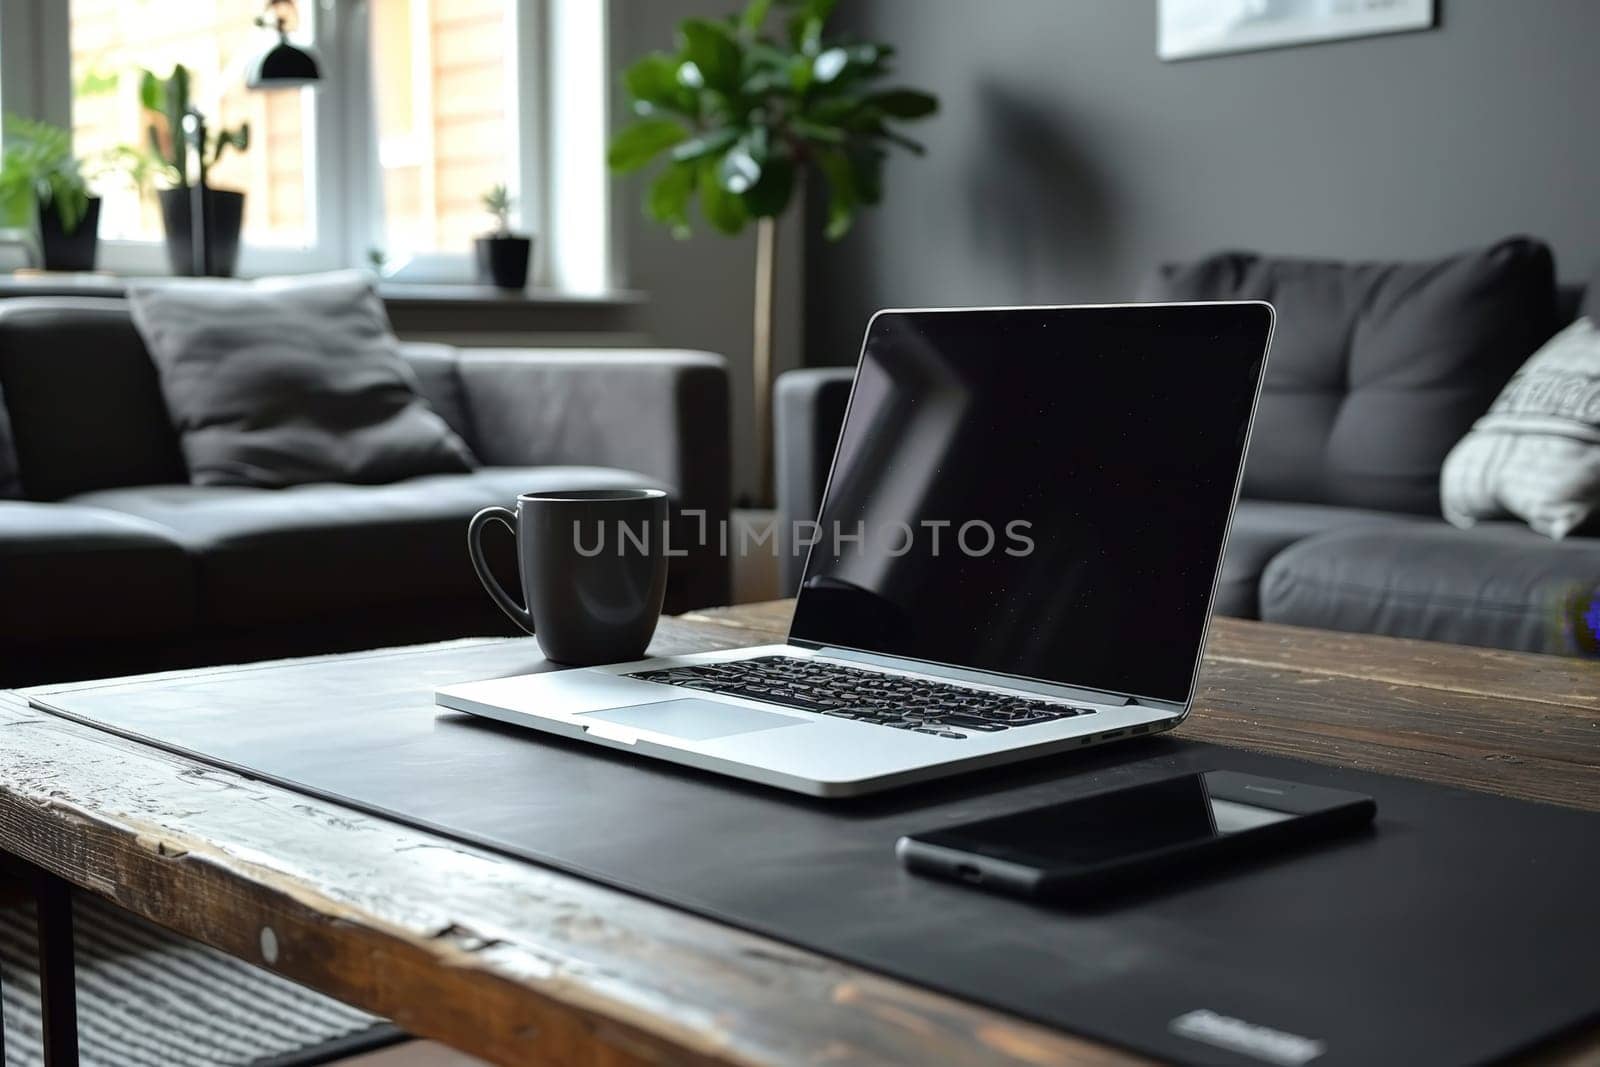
867,696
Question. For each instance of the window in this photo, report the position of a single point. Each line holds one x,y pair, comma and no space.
111,40
425,105
446,110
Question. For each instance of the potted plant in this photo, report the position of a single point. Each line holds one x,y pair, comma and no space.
42,188
168,102
740,115
502,255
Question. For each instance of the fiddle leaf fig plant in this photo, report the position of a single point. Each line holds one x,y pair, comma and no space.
741,109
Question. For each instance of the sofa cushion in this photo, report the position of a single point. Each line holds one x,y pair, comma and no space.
268,555
1499,585
289,382
1263,528
86,408
1536,454
82,573
10,483
1377,369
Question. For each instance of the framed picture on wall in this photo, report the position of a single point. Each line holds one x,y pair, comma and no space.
1190,28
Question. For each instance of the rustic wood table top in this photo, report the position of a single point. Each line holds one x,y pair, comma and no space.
517,964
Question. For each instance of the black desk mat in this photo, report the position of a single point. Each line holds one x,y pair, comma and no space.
1464,928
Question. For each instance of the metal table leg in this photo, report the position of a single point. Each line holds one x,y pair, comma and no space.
58,994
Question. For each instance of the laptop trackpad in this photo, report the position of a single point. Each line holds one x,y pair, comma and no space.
693,720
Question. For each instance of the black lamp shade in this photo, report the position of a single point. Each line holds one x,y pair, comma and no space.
284,66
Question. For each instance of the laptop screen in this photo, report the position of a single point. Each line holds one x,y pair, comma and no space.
1041,493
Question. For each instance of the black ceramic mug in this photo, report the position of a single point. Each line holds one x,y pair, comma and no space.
594,570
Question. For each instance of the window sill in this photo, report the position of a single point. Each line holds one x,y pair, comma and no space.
408,294
458,295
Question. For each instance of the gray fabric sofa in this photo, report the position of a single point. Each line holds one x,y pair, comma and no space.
112,562
1365,551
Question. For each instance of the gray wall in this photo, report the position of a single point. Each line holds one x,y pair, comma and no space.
1068,159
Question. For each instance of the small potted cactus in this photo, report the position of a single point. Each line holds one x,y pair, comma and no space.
166,101
502,255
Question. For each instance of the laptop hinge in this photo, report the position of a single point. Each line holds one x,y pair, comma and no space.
958,674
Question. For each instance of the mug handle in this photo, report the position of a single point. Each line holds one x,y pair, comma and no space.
519,614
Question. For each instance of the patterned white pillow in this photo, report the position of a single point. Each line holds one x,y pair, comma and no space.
1536,454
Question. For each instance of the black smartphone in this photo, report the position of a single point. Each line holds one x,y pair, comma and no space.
1087,850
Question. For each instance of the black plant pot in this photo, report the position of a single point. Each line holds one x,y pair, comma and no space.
69,251
503,261
224,213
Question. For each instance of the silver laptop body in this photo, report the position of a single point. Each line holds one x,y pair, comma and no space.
1067,477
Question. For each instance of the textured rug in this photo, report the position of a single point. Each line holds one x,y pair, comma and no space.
148,998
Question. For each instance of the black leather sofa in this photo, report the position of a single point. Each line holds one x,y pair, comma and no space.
113,563
1302,555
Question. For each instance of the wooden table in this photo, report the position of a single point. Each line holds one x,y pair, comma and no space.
518,964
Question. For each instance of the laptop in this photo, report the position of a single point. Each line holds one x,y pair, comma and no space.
1017,550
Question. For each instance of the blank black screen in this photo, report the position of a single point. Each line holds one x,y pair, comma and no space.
1113,435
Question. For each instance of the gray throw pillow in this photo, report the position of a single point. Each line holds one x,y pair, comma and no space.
1536,454
285,381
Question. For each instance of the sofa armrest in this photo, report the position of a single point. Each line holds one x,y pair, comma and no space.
809,411
662,413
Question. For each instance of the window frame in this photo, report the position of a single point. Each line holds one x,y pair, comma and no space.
345,195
